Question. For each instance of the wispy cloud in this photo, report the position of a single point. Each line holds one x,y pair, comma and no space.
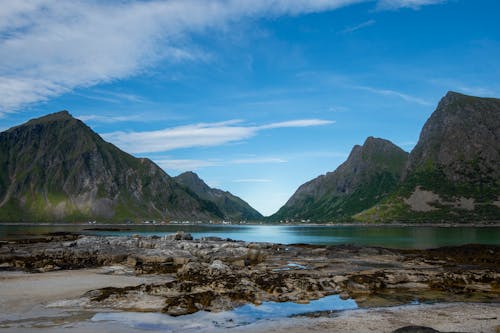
252,180
185,165
110,119
337,108
470,89
112,96
297,123
195,164
413,4
51,47
347,82
198,135
394,93
365,24
258,160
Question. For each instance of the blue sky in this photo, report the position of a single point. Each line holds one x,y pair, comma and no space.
258,96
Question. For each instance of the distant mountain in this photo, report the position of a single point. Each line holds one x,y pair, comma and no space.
371,172
231,206
453,173
55,168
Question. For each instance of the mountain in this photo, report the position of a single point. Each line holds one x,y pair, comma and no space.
231,206
453,173
370,173
55,168
462,139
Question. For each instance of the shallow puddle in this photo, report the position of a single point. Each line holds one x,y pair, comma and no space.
244,315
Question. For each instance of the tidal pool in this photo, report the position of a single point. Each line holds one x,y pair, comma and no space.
243,315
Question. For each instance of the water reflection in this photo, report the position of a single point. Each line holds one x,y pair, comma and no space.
244,315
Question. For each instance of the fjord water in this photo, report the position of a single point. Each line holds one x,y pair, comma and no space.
385,236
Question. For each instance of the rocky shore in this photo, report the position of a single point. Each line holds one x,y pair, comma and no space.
214,274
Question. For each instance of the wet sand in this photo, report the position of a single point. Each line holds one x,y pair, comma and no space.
26,299
445,317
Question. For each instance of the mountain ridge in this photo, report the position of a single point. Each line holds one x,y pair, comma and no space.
365,175
451,174
231,206
55,168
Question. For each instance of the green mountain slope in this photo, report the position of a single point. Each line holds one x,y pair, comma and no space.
232,207
371,172
55,168
453,173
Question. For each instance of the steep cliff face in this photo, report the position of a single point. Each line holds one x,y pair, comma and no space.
453,172
462,139
370,173
231,206
56,168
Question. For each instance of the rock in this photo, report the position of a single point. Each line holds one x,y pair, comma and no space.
218,275
339,279
179,235
255,256
218,266
415,329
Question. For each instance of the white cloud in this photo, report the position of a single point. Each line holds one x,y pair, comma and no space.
252,180
112,96
258,160
50,47
184,165
365,24
297,123
197,135
413,4
193,164
468,89
394,93
109,119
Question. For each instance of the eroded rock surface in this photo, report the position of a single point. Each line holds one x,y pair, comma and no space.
216,274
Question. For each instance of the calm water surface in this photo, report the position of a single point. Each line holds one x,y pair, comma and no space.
244,315
386,236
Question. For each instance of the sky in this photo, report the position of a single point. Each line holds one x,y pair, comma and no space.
255,96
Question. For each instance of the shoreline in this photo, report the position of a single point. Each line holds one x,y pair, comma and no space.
74,277
329,224
44,302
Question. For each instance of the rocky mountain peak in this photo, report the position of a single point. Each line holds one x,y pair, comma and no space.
375,154
189,175
57,116
461,138
55,168
369,173
193,182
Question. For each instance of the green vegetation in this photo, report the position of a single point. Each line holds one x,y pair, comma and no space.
456,158
58,169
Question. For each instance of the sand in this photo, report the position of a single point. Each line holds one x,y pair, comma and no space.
24,300
445,317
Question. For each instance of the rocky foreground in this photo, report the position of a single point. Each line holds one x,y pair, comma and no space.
216,274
